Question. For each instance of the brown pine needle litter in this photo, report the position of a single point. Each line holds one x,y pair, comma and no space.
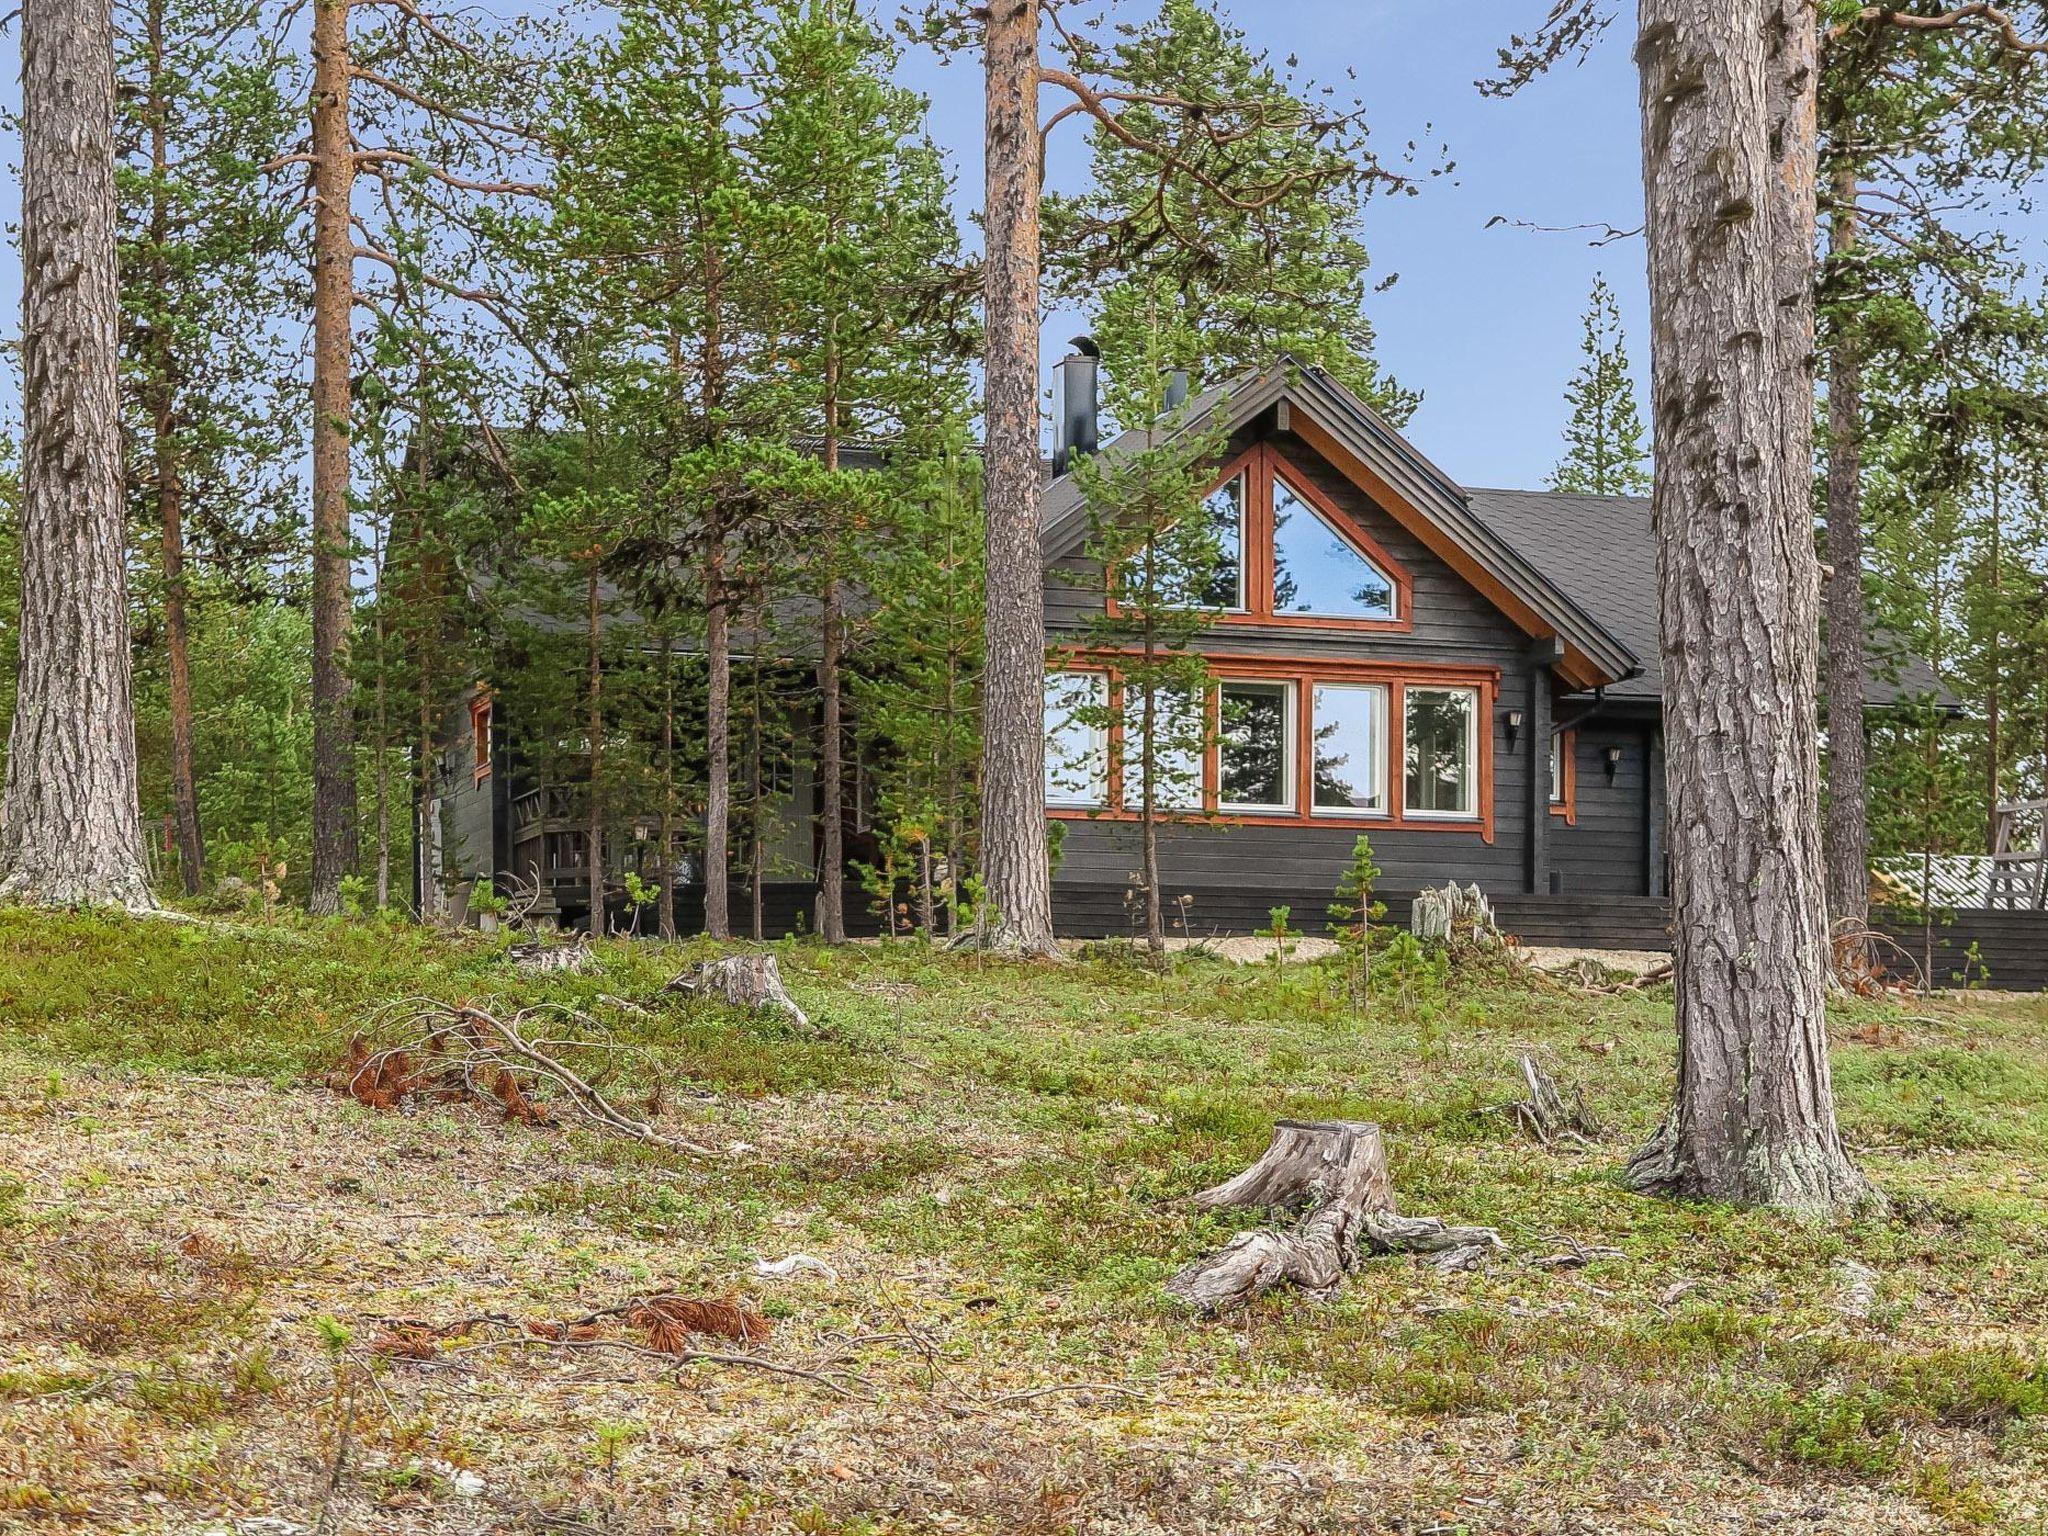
450,1053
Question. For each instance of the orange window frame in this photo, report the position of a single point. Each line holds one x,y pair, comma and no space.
1260,465
1304,674
1567,806
480,733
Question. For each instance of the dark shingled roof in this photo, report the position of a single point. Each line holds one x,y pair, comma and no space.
1602,550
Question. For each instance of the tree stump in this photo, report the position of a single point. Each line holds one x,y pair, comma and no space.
1335,1172
1550,1114
745,981
1454,915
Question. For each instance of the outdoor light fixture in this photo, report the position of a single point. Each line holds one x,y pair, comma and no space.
1613,762
1514,725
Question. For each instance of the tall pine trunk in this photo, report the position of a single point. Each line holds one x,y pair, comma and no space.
594,661
1729,174
334,774
717,737
665,902
1014,860
70,829
1848,821
170,485
831,766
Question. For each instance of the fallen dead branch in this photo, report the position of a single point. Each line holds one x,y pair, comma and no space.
665,1326
541,955
459,1054
1335,1171
744,981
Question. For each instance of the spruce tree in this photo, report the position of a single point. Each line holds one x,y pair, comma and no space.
1604,448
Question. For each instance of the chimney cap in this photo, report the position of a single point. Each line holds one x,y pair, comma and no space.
1084,345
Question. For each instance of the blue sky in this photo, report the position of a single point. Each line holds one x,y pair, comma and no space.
1485,322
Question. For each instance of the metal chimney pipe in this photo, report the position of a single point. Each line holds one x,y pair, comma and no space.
1078,430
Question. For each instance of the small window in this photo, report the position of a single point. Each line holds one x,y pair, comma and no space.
1442,752
1350,746
480,733
1076,745
1557,767
1225,506
1255,748
1317,571
1182,738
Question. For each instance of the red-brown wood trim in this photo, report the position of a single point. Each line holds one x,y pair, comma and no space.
1260,464
1576,668
1305,673
1568,758
480,732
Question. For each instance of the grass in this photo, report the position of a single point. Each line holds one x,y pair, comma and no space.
197,1244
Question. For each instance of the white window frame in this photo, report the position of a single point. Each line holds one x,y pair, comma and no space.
1061,797
1385,706
1301,497
1132,786
1472,764
1290,732
1557,765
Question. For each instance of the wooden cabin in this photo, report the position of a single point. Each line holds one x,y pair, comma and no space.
1469,676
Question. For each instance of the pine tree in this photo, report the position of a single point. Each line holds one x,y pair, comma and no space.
207,376
1604,449
1152,533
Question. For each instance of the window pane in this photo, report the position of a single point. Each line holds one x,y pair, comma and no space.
1076,746
1440,729
1556,767
1350,748
1253,746
1177,760
1225,506
1315,569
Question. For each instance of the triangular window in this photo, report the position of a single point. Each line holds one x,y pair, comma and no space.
1319,572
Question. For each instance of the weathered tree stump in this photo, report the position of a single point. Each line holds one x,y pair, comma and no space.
1454,915
744,981
540,955
1335,1171
1549,1114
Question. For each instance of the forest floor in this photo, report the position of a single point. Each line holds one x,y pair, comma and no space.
207,1256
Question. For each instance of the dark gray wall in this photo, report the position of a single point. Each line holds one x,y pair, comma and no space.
1604,852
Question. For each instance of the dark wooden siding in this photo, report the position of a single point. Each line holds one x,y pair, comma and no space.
1604,851
1250,867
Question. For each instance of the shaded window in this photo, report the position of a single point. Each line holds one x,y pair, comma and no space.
480,733
1557,745
1315,568
1225,506
1350,746
1076,745
1255,747
1181,745
1442,726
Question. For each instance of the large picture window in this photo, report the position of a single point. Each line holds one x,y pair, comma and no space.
1177,727
1441,728
1255,747
1076,745
1315,568
1349,743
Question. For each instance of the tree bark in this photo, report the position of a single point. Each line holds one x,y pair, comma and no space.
594,661
1848,822
831,760
170,487
334,775
717,740
665,903
1014,858
70,827
1729,179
